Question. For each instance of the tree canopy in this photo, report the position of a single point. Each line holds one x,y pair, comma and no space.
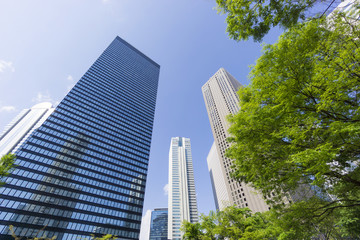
232,223
6,164
241,224
246,18
300,119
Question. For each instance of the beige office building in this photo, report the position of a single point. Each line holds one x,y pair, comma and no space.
221,100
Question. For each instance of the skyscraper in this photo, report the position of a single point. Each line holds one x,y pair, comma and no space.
159,224
182,196
350,8
221,100
220,193
22,126
83,171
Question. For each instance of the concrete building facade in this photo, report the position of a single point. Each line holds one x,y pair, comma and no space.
221,99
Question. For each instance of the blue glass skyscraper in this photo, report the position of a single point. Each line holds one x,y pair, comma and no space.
159,224
83,171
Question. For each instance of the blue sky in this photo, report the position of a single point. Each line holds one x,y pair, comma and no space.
46,46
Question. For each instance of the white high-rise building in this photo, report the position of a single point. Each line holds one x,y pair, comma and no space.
182,203
17,131
221,100
219,188
350,8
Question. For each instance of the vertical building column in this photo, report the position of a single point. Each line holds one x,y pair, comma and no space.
182,196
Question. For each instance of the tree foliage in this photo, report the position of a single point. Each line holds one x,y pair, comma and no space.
233,224
300,119
241,224
105,237
255,18
6,164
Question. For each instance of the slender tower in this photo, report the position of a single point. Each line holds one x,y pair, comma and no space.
83,171
221,100
182,195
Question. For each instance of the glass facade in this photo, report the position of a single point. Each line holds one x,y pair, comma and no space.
159,224
83,171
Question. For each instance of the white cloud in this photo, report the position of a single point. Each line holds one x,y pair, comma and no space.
145,226
105,1
6,65
70,78
166,189
7,109
42,97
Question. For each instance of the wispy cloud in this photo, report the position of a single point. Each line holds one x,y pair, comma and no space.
166,189
145,226
70,78
6,65
42,97
7,109
105,1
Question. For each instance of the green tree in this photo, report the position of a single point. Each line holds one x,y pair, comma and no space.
300,120
105,237
241,224
192,230
255,18
6,164
232,223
